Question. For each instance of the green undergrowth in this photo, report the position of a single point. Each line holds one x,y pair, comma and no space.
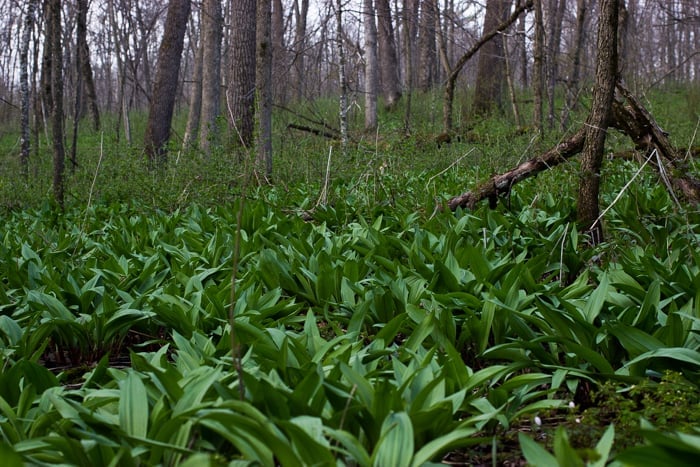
380,332
370,325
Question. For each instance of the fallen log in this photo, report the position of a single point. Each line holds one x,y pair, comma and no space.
501,184
628,116
314,131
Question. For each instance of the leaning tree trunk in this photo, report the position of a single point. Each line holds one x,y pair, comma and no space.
597,122
160,113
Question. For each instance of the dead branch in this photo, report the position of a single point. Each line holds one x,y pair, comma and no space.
314,131
634,120
501,184
628,116
308,119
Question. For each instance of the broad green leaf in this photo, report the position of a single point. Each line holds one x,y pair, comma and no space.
395,445
352,446
458,438
535,454
635,341
566,455
604,447
679,354
596,300
133,406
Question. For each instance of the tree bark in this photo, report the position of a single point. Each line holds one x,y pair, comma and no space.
572,84
341,72
598,120
371,74
490,73
388,60
408,34
298,68
263,77
212,32
160,112
241,89
557,8
25,141
279,52
427,56
84,64
194,114
538,69
56,52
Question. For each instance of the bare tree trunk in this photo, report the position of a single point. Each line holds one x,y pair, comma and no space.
598,120
490,71
388,60
160,114
241,90
195,104
279,51
371,73
121,75
298,69
538,68
263,78
511,85
343,80
25,144
212,31
408,28
453,72
47,66
84,67
522,50
427,58
557,8
56,51
572,84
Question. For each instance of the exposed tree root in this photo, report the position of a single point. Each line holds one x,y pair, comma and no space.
631,118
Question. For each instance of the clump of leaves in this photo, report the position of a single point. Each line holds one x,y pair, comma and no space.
671,404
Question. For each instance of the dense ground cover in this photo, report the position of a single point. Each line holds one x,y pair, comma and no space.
380,332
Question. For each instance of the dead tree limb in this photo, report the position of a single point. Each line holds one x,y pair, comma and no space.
501,184
628,116
314,131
